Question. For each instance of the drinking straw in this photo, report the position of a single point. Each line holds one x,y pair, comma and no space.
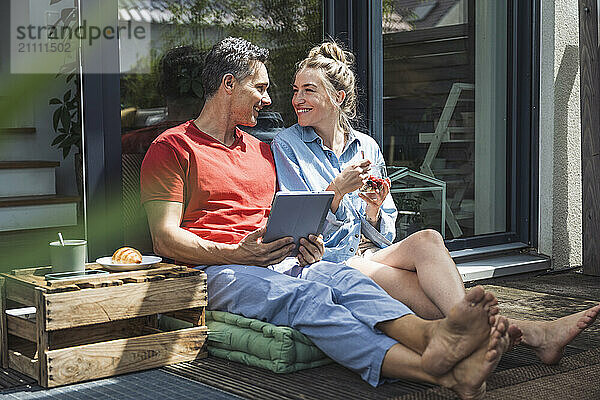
62,242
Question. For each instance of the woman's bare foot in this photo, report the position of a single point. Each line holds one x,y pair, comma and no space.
549,338
468,377
515,336
464,330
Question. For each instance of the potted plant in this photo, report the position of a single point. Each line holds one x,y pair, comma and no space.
66,119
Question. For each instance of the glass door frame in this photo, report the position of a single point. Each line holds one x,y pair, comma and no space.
358,24
102,135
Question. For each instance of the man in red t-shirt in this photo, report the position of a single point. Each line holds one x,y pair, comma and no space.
207,188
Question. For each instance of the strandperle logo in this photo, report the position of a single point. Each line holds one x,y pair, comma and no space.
81,32
47,35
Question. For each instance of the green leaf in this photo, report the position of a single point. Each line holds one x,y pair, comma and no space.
70,141
54,100
65,118
67,96
56,118
54,1
58,139
66,151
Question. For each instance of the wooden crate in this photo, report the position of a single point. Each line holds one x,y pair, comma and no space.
61,332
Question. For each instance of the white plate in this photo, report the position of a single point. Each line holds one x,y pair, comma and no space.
147,262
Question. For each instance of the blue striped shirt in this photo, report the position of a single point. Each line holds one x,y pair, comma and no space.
304,163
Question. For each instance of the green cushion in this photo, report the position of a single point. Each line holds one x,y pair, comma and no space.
256,343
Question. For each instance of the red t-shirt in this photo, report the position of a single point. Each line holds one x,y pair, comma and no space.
226,190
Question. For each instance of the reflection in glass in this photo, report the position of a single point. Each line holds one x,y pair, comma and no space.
445,105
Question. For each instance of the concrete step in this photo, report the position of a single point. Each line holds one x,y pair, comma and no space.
35,212
501,265
27,178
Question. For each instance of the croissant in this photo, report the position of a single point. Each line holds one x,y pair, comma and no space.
127,255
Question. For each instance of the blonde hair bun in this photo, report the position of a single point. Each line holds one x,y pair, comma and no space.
335,65
334,51
127,255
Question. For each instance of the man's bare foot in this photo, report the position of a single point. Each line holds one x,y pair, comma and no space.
468,377
515,335
471,373
549,338
491,307
457,336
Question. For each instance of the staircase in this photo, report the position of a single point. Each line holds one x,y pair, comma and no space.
31,213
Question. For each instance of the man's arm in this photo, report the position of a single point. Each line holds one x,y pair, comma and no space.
170,240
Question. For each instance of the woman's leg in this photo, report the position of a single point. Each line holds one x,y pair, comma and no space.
549,338
401,284
432,284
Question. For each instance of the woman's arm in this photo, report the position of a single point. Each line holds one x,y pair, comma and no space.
290,178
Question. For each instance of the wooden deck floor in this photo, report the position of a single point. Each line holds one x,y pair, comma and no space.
548,296
519,376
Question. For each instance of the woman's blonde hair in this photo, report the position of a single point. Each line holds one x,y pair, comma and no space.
336,65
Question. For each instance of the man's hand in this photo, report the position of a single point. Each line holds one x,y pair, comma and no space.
311,250
252,251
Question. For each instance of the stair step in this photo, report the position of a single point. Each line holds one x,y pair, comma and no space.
35,212
495,266
28,164
27,178
16,201
17,130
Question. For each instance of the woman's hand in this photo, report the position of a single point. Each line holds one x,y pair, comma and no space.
374,201
311,250
352,177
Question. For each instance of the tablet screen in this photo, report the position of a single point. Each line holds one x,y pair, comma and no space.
297,214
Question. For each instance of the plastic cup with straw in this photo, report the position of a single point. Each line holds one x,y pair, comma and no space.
67,255
60,238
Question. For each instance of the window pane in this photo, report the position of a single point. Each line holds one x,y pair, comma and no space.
445,80
153,101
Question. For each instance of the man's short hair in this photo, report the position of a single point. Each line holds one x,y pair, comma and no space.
234,56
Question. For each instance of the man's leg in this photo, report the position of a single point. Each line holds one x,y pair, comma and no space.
260,293
426,277
443,343
307,306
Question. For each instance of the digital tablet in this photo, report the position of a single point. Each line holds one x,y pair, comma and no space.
297,214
